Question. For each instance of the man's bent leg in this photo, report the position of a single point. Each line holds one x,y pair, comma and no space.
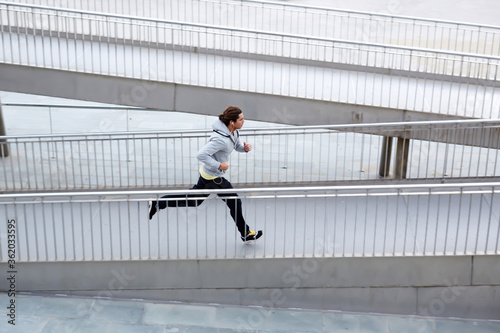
186,199
235,207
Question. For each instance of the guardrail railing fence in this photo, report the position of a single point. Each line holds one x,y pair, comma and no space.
345,221
306,20
281,155
451,83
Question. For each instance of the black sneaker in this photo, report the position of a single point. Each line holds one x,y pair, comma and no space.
252,235
152,209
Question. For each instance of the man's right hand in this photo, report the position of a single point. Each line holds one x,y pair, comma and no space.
224,166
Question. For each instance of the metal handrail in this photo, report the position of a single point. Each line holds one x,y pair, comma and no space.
246,131
371,14
322,153
330,221
363,190
252,31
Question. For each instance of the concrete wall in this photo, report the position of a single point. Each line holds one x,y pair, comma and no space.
458,286
212,101
194,99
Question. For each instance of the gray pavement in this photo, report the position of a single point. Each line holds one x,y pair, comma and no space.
37,313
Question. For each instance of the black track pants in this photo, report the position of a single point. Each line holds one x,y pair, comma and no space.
234,204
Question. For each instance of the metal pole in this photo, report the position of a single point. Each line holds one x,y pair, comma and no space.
402,152
385,157
4,146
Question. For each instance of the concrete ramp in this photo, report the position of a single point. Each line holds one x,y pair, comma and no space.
462,286
197,99
289,79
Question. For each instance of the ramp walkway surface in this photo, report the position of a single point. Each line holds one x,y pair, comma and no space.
112,147
307,224
51,313
346,226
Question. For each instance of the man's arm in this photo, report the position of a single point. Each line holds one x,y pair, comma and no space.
242,147
205,155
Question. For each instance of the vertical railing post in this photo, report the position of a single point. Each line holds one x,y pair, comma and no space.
4,146
385,157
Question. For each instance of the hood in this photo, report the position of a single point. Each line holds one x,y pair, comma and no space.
220,127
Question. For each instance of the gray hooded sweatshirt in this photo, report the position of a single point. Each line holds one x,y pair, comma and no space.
218,148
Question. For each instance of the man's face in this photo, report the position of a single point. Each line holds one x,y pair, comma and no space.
239,122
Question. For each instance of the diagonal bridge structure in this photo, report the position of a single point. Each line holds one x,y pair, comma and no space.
395,248
274,76
162,64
